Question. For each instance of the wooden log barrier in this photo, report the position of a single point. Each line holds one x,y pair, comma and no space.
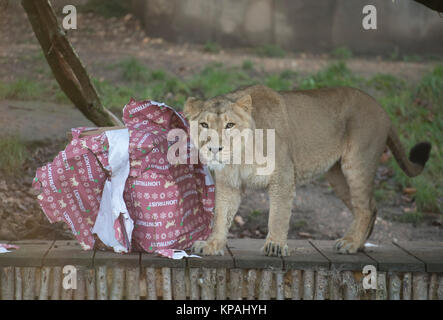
221,284
313,271
194,275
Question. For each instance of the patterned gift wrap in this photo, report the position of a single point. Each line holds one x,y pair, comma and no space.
171,205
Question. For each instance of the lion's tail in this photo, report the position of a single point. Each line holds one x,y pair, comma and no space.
418,156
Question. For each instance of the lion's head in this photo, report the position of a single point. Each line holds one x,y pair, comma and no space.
221,123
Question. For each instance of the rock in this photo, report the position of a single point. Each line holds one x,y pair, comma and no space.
409,210
239,220
385,157
409,191
127,17
305,234
3,185
406,198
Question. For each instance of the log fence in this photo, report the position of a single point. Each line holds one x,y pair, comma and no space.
313,271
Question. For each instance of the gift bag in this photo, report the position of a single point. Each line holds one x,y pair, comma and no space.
171,204
71,186
120,187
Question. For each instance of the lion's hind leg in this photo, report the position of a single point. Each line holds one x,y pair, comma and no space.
338,183
359,167
365,142
363,209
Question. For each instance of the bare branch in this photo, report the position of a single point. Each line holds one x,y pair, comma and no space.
66,66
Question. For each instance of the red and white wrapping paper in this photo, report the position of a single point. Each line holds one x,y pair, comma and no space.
4,247
120,186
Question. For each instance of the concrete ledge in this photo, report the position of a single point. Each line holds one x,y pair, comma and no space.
297,25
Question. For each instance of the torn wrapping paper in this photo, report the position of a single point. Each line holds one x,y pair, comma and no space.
71,185
170,204
112,204
119,186
369,245
175,254
4,247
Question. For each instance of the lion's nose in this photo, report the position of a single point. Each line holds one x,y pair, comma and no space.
216,149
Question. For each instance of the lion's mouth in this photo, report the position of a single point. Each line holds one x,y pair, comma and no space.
215,165
215,161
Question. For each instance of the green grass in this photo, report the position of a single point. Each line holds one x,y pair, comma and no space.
299,224
13,154
413,58
132,70
270,50
431,87
386,83
38,58
415,123
254,215
216,79
384,193
342,53
106,8
60,97
282,81
25,89
158,75
335,75
22,89
211,47
112,96
141,83
395,54
410,217
248,65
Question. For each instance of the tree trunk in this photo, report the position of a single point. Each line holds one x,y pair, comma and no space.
65,64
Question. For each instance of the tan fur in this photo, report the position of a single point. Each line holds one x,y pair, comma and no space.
339,131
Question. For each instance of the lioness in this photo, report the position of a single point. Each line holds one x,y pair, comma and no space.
338,131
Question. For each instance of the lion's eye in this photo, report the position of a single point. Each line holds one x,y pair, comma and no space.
229,125
204,125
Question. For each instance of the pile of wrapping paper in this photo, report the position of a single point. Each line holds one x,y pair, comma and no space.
119,187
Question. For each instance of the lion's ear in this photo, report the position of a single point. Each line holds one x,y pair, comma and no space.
245,103
192,106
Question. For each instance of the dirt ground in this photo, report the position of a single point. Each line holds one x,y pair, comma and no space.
317,213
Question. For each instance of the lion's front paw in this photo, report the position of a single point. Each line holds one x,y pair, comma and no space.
208,248
347,246
275,249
